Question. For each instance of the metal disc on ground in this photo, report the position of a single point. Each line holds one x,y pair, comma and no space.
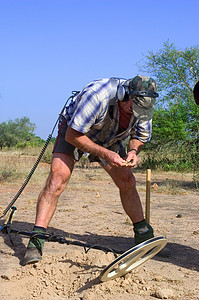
133,258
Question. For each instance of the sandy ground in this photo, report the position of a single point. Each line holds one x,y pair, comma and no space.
90,211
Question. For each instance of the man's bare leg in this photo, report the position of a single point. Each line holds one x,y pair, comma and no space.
125,181
61,170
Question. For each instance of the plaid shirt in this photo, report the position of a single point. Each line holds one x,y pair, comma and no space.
91,113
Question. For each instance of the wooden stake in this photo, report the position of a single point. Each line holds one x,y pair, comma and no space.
148,188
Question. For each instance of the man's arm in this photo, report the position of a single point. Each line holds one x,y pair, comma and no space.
141,135
82,142
135,147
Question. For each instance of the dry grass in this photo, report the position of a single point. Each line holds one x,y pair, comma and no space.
16,165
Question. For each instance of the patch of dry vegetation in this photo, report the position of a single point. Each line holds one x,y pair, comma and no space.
16,165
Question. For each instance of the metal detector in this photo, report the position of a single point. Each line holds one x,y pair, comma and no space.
123,264
133,258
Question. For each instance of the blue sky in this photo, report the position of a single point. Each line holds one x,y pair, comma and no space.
51,47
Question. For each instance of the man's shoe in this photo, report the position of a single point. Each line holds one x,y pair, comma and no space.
35,246
143,232
32,256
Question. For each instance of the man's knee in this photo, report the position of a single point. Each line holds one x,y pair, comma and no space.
127,182
61,170
56,182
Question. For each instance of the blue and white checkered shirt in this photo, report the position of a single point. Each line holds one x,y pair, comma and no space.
91,113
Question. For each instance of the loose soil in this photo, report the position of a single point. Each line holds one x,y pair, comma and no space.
90,211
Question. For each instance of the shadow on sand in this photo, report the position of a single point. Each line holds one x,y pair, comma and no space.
181,255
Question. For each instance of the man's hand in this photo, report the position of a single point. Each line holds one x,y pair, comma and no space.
114,159
131,160
82,142
135,147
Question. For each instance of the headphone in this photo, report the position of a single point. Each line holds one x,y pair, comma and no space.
123,93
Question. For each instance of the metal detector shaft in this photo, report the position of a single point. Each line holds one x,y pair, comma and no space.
10,216
62,240
7,228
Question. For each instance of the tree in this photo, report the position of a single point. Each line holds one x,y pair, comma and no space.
12,132
176,116
176,71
